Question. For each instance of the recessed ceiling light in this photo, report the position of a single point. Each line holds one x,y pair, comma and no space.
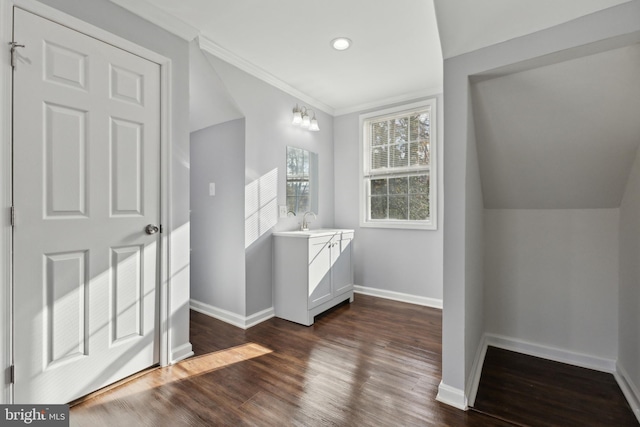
341,43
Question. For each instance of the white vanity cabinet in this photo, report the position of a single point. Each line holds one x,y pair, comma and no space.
312,272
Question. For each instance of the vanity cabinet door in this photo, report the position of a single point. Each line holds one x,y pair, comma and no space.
320,261
341,272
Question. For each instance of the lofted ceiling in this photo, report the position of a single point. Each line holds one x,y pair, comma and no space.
468,25
559,136
209,101
562,136
396,53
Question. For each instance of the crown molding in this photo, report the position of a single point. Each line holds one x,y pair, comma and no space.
188,32
226,55
385,102
159,17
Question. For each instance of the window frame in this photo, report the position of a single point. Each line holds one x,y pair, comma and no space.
366,176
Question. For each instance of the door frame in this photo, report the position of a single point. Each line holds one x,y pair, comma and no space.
6,243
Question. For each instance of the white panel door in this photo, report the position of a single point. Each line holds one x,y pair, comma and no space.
86,185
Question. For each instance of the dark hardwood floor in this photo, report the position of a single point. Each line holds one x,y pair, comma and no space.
371,363
536,392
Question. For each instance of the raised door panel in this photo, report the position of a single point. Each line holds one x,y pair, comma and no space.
319,271
66,313
65,165
126,292
342,273
127,168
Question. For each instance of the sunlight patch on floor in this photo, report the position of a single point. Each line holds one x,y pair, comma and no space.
212,361
189,368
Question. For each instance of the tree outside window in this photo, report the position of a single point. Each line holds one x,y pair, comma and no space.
398,174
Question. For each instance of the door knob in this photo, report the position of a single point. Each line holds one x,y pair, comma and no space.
151,229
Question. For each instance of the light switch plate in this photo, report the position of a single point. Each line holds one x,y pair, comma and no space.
283,211
212,188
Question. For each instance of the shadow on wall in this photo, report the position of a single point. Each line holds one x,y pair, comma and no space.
261,206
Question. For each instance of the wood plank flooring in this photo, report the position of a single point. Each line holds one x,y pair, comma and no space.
530,391
374,362
370,363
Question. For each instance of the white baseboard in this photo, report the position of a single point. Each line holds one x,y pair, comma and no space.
259,317
551,353
181,353
397,296
476,371
629,389
452,396
229,317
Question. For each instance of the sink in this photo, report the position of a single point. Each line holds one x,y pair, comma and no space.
309,233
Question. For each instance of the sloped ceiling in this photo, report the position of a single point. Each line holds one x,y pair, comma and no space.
468,25
395,54
209,101
562,136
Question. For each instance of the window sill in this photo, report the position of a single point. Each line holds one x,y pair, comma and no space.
406,225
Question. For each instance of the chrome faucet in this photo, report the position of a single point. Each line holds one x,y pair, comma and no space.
305,224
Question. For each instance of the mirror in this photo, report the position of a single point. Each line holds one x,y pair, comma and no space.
302,181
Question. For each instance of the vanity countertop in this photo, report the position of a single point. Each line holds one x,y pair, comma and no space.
318,232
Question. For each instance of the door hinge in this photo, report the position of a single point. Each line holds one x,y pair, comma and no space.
13,216
12,374
13,48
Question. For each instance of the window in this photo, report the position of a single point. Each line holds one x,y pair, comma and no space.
399,167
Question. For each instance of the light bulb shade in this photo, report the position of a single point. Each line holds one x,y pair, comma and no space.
314,125
306,122
301,118
341,43
297,117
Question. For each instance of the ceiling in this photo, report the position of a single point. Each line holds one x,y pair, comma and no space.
560,136
396,53
468,25
563,136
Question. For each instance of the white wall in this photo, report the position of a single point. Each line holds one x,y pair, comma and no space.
209,100
217,222
551,278
463,317
268,114
404,261
629,291
600,31
474,246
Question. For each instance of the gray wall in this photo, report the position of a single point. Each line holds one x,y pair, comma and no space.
217,222
551,278
405,261
474,245
268,131
629,291
459,135
118,21
463,251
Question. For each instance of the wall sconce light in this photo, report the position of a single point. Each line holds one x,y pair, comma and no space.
301,118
